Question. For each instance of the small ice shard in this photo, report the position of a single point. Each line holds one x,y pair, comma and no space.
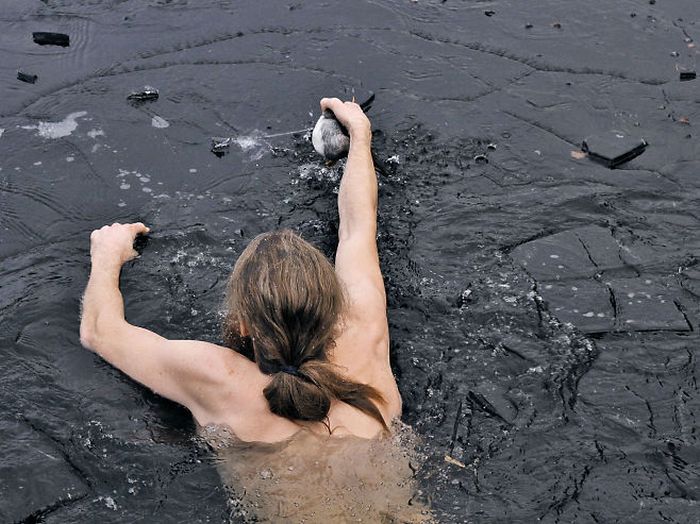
159,122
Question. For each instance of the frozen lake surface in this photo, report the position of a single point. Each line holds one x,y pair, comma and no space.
543,308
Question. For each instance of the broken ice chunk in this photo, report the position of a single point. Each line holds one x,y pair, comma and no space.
613,148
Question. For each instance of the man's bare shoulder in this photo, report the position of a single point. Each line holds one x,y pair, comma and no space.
362,353
221,374
218,361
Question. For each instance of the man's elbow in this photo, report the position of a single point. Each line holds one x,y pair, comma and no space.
93,331
88,336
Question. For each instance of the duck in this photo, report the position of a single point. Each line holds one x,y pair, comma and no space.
330,138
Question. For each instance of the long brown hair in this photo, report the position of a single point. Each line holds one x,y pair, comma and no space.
288,296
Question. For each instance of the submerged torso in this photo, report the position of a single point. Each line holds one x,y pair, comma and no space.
314,478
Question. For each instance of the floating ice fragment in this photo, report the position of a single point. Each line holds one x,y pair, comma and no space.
94,133
159,122
109,502
58,129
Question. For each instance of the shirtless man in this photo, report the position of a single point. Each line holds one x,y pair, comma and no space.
319,335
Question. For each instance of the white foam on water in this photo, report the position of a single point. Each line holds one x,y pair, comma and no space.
159,122
58,129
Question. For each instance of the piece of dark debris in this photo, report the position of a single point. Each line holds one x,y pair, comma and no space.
26,77
146,94
59,39
220,145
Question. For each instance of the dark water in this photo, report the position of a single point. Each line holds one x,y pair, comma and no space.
561,415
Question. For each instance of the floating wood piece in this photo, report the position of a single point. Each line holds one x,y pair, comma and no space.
454,461
148,93
60,39
220,145
26,77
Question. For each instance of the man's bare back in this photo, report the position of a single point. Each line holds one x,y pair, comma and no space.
251,399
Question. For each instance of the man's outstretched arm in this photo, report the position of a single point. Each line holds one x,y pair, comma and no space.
181,370
363,348
357,260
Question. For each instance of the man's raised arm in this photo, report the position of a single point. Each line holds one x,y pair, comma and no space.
357,260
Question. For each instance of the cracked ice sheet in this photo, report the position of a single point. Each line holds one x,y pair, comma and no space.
580,275
577,253
34,475
585,303
644,305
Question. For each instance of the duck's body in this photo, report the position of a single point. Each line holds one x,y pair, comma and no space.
330,139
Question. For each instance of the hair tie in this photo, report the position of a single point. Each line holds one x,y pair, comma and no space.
290,370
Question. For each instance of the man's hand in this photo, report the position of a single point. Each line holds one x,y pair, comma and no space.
115,244
351,116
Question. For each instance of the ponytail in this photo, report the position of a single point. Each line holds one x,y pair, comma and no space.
305,393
